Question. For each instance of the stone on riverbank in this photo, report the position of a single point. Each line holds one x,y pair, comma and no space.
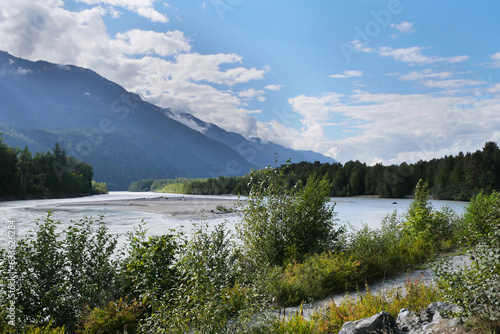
436,318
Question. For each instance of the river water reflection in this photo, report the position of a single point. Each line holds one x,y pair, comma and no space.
356,211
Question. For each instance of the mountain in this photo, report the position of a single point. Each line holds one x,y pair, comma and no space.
255,150
122,136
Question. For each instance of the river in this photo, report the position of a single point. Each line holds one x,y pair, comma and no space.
355,211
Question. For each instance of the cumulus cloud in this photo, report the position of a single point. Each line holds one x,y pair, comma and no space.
141,42
403,27
347,74
274,87
496,59
251,93
143,8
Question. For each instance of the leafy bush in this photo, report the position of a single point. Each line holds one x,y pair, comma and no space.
318,276
476,288
212,294
422,221
149,268
280,225
116,317
99,188
481,216
59,273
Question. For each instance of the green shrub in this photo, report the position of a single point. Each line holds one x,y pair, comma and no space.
318,276
212,293
116,317
99,188
59,273
424,222
279,225
481,216
476,288
149,268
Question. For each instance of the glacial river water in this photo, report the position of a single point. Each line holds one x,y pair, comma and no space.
355,211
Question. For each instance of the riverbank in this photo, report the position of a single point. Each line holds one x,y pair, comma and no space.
170,207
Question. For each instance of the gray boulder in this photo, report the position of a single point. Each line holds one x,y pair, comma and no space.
381,322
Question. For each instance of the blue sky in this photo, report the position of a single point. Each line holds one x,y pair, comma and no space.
375,81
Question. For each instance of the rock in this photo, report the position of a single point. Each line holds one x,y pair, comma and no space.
381,322
408,320
436,318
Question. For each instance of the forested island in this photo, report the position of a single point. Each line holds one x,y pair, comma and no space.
46,174
456,177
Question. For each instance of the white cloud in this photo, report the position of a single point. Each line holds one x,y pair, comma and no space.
412,55
454,83
136,42
392,128
274,87
143,8
441,80
347,74
425,74
251,93
403,27
496,59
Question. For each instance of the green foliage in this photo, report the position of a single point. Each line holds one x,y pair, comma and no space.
370,253
279,225
318,276
119,316
49,329
99,188
48,173
424,222
149,270
213,294
141,185
476,288
59,273
480,218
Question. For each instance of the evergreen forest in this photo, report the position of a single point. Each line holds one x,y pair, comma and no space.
24,175
456,177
